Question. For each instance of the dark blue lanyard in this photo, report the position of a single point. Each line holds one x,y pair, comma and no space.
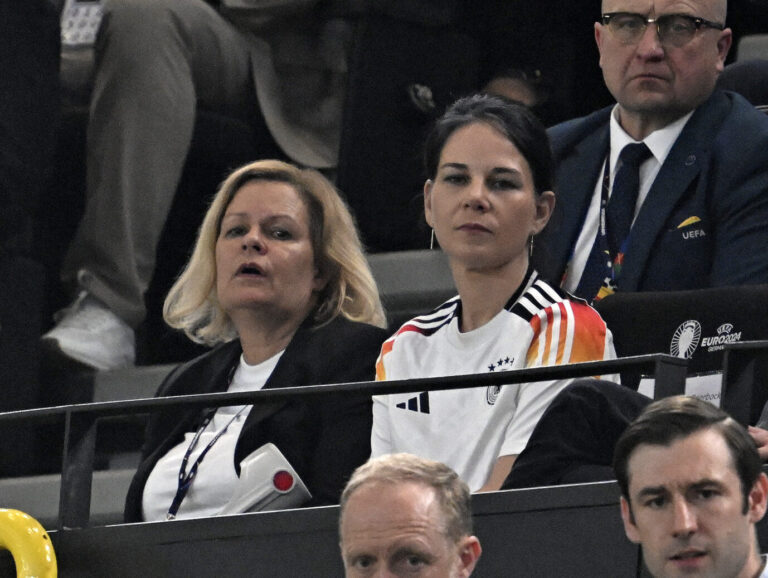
186,478
600,241
602,231
605,189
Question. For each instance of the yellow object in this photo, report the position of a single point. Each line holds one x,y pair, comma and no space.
604,292
688,221
28,543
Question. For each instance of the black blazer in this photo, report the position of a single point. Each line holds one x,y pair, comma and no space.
705,220
324,441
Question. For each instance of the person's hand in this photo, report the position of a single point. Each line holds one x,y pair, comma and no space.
761,440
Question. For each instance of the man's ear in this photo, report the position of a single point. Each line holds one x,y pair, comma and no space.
341,549
630,529
469,553
757,498
599,41
723,46
428,201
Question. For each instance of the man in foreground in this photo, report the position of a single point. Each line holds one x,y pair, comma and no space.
403,515
692,490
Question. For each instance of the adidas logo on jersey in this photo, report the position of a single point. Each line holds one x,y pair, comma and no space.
420,403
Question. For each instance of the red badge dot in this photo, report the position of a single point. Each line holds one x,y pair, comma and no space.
283,481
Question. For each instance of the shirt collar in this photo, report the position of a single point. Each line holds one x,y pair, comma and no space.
659,141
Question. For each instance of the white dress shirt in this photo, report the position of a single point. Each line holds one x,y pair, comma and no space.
659,142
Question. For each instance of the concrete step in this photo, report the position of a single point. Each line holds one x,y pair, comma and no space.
38,496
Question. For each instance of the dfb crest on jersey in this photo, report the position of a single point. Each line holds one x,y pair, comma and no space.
492,394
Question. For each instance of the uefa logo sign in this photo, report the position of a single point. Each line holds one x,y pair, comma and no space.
686,339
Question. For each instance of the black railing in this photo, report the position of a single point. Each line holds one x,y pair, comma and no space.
80,421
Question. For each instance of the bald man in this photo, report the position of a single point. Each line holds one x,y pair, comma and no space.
402,515
696,215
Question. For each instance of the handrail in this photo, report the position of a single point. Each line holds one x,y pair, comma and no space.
80,420
651,364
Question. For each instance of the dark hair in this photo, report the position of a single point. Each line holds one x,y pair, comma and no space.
531,78
515,121
670,419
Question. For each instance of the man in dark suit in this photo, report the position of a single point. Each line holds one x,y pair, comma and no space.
700,216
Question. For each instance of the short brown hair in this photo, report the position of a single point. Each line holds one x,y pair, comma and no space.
672,418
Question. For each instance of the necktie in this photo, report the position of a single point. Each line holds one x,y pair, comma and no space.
626,185
618,219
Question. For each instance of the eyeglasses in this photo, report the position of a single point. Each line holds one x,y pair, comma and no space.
674,29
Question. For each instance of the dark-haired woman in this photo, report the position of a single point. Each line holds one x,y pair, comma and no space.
489,193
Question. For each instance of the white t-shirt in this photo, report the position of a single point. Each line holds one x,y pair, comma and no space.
469,429
216,478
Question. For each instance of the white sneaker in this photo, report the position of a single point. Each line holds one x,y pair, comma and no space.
88,332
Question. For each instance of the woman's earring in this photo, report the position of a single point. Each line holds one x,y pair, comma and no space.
530,246
432,239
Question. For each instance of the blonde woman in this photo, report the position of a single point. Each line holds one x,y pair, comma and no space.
279,284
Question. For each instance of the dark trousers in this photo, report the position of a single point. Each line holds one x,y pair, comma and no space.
574,439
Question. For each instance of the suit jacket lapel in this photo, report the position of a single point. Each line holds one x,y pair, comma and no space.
198,377
288,372
583,169
688,156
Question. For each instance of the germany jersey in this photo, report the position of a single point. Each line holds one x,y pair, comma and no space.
469,429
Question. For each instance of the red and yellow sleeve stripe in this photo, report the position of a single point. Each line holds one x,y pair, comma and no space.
566,332
386,348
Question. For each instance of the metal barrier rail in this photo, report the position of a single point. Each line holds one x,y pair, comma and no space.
80,420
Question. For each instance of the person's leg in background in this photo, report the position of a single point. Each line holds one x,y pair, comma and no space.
156,60
574,439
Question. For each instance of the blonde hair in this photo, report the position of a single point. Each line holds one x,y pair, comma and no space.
451,492
192,303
